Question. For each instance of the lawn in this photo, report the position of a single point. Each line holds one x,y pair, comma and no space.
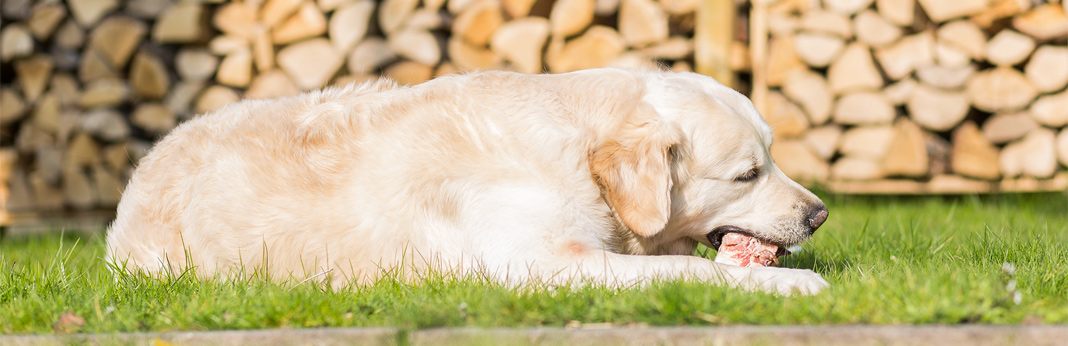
890,260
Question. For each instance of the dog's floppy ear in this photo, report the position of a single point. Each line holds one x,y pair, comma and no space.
632,167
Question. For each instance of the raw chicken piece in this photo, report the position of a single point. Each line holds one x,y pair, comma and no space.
745,251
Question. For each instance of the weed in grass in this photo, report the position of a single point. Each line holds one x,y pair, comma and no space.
904,260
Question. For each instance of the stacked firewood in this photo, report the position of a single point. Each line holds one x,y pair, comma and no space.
964,95
88,85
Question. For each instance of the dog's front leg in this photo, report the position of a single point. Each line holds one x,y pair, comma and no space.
623,270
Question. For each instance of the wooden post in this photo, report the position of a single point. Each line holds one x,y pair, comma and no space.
712,39
758,51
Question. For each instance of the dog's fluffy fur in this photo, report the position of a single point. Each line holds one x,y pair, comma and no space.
607,175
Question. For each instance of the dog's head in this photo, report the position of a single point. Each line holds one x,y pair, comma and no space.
691,160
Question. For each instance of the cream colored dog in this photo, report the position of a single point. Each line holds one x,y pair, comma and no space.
608,176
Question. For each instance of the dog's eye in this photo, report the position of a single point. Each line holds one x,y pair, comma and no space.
748,176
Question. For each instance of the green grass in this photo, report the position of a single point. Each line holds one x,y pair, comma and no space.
919,260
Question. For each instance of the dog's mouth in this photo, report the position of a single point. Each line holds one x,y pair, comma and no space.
740,247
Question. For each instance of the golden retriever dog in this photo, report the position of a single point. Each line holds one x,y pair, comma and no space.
606,176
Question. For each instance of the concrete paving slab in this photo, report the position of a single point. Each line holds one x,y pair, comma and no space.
969,335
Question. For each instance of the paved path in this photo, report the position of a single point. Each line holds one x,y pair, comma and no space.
741,335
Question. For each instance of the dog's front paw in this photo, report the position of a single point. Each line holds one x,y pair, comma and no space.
784,281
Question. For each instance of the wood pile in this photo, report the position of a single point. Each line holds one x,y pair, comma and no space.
88,85
925,96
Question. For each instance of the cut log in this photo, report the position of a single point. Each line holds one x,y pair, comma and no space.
236,19
782,60
973,155
783,24
786,119
1000,89
78,191
33,75
108,187
1062,147
106,124
863,108
417,45
146,9
12,108
215,97
997,9
30,138
847,7
681,66
66,88
675,48
950,56
937,109
94,66
598,46
1009,48
458,6
570,17
426,19
116,38
966,36
349,24
827,22
311,63
69,36
798,162
15,42
468,57
104,92
478,23
642,22
45,195
44,20
270,84
393,13
433,5
899,12
262,48
673,7
445,68
633,60
854,70
46,114
307,22
88,12
1044,22
1033,156
369,55
226,44
818,49
154,118
1051,110
899,59
855,168
236,69
945,77
183,22
823,141
517,8
276,11
810,90
1007,127
874,30
907,153
739,59
116,157
870,142
149,77
1048,68
409,72
195,64
941,10
180,99
521,42
49,163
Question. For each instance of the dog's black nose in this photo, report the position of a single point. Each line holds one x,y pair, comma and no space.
816,217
